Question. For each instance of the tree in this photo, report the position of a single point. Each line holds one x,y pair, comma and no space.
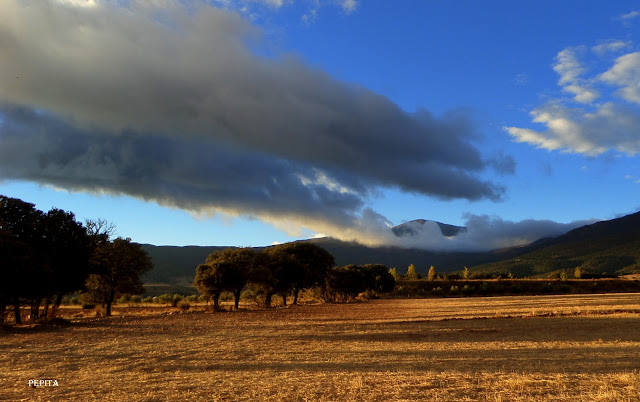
307,265
210,280
465,273
24,273
378,277
68,249
345,283
120,264
432,273
239,262
394,273
412,275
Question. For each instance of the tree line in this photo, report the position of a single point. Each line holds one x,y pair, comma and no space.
284,270
44,256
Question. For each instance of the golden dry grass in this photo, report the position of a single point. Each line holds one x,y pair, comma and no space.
584,347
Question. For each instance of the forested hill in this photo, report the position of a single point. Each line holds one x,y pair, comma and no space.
608,247
611,247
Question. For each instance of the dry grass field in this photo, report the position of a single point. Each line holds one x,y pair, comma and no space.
578,347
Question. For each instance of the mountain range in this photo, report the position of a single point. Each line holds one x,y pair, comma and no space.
611,247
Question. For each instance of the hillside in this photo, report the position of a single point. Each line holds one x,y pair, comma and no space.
177,265
609,247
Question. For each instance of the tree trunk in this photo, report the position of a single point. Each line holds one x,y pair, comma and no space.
35,309
45,311
56,305
16,310
216,301
284,299
295,295
236,296
3,313
109,302
267,299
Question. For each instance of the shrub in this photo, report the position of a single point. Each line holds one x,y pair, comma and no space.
454,290
148,299
124,299
184,305
136,299
165,299
192,298
175,300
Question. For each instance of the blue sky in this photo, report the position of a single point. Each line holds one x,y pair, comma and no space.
253,122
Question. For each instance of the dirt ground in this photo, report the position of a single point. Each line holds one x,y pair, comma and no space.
576,347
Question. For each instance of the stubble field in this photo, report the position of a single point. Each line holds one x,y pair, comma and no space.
579,347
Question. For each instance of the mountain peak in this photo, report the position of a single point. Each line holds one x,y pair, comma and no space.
411,228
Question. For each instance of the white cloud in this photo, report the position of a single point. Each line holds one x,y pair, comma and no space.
610,126
570,69
349,6
631,15
610,47
79,3
626,74
591,128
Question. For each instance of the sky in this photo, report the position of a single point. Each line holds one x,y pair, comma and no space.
256,122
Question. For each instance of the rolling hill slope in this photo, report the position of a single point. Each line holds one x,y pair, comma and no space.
608,247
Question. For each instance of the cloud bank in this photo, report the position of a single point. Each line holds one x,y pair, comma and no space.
175,104
483,233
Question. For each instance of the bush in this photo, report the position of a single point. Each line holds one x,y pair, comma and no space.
124,299
148,299
192,298
165,298
136,299
175,300
184,305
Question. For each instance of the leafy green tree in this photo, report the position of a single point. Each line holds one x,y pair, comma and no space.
432,273
577,273
120,265
393,273
307,265
412,275
239,263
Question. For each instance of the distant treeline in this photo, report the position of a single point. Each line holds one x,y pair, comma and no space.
510,287
284,270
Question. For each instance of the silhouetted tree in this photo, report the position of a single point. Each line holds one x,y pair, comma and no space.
378,278
239,262
120,264
308,265
68,249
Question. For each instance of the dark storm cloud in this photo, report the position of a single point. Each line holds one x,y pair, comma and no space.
175,105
